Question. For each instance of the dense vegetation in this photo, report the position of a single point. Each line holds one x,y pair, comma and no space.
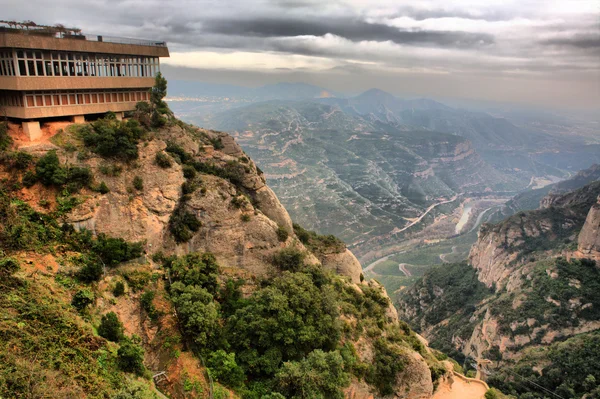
576,280
287,336
45,348
319,244
571,370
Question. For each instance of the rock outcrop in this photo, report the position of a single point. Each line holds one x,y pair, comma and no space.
589,237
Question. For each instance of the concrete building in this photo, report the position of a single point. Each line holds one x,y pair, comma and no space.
50,72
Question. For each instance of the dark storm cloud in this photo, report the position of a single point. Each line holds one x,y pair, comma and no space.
578,41
352,29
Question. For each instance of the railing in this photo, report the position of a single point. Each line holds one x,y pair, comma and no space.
59,34
124,40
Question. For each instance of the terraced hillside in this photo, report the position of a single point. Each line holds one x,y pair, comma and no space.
362,180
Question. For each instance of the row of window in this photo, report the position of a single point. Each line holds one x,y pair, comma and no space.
58,98
52,63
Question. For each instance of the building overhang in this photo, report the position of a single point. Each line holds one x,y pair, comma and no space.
38,83
66,110
35,41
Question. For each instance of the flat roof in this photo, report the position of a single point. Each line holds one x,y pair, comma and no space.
18,38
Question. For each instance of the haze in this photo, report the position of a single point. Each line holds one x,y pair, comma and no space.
530,52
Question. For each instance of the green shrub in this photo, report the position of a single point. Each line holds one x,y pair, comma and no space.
198,313
113,170
8,266
137,279
183,224
179,154
319,244
319,375
29,179
82,299
110,327
91,270
146,300
189,172
21,160
113,251
111,138
138,183
282,234
224,369
198,269
162,160
245,218
103,188
119,289
188,187
217,143
130,358
49,171
291,259
5,139
388,362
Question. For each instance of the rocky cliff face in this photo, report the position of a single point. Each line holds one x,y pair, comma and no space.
529,284
241,222
502,247
589,237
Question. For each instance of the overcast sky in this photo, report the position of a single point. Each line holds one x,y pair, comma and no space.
527,51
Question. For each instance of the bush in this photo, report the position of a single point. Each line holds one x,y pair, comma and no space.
146,300
113,251
162,160
49,171
5,139
110,327
111,138
195,269
178,153
119,289
388,362
198,313
290,259
130,358
8,266
138,183
91,270
183,224
319,375
245,218
282,234
224,369
21,160
189,172
82,299
103,188
29,179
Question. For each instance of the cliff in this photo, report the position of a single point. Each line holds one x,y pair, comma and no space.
589,237
531,283
210,269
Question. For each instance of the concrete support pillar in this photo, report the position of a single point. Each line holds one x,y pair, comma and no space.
78,119
119,116
32,130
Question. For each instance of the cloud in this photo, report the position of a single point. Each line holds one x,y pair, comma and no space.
357,42
352,29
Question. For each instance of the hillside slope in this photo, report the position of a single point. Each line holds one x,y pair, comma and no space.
531,283
136,258
361,180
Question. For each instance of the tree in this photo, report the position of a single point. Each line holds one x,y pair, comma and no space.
82,299
49,171
159,107
319,376
130,358
224,369
198,312
110,327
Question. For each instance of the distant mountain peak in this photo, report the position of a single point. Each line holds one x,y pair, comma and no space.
377,94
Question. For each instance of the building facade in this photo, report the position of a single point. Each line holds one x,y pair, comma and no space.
49,74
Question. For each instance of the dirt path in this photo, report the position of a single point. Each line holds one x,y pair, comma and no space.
459,387
403,269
